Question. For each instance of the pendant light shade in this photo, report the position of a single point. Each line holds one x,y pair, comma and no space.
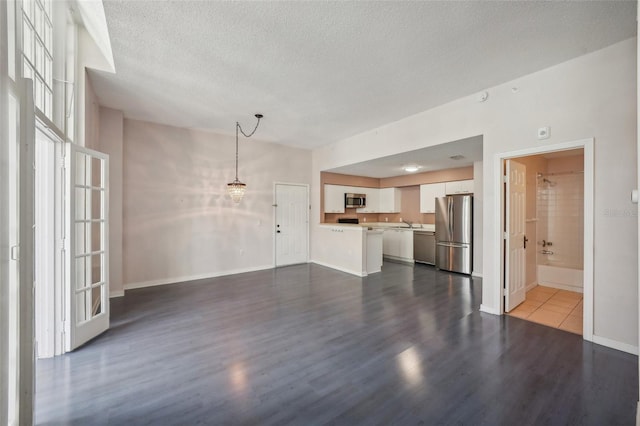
236,189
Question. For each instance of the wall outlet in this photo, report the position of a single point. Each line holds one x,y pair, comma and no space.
364,219
386,219
400,220
544,133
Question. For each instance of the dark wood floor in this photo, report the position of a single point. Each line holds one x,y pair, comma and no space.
308,345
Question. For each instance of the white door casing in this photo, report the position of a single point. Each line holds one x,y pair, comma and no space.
88,248
291,224
515,263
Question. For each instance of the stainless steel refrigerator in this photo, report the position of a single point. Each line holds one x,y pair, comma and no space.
454,233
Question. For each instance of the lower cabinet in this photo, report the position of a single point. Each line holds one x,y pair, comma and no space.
398,244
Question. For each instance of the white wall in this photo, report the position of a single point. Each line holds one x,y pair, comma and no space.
478,207
179,222
590,96
110,142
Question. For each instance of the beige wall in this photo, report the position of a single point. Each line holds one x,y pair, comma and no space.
592,96
111,143
92,116
178,220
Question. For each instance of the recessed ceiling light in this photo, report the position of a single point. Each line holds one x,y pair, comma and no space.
411,168
457,157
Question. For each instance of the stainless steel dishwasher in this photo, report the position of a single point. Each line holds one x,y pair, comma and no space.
424,247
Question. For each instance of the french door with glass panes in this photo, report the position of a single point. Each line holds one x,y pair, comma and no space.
88,248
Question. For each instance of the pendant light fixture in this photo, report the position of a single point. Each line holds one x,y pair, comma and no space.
236,188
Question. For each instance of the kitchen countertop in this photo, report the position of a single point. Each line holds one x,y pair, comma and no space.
386,225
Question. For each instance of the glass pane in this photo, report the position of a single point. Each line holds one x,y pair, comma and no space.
96,172
38,21
27,6
27,41
80,169
81,204
82,238
82,300
81,276
49,71
39,58
96,236
96,268
26,71
96,204
96,300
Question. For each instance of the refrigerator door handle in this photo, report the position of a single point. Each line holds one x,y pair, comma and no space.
450,212
457,245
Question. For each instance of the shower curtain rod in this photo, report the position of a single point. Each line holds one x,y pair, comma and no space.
563,173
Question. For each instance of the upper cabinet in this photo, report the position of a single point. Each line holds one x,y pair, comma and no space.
373,200
428,194
459,187
389,200
334,198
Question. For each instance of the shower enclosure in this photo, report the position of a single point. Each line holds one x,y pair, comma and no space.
560,239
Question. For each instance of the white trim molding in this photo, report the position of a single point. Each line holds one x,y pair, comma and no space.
614,344
116,293
337,268
476,274
489,310
589,186
178,280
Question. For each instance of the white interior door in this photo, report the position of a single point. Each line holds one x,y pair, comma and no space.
17,361
88,279
515,266
292,224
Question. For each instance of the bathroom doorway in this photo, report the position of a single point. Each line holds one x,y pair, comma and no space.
552,260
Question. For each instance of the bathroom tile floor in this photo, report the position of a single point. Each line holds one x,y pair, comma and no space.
549,306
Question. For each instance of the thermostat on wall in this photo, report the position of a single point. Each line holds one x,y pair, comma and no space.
544,133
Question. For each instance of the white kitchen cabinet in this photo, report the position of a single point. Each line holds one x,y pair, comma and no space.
373,200
428,194
398,244
389,200
334,198
459,187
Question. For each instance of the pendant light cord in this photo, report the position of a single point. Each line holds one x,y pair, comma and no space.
239,127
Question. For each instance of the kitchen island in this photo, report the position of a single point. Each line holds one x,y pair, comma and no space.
354,249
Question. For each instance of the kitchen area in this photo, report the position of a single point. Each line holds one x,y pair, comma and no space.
418,218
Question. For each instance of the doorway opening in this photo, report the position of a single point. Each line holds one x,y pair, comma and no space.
547,227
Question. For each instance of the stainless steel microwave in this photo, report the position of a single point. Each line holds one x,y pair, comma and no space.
355,200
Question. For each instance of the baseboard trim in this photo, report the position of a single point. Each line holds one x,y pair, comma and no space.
116,293
560,286
348,271
402,260
476,274
176,280
614,344
638,414
488,310
531,286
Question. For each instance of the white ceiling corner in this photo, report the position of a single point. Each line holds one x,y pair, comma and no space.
323,71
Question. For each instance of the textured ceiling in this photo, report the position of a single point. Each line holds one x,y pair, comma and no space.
322,71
